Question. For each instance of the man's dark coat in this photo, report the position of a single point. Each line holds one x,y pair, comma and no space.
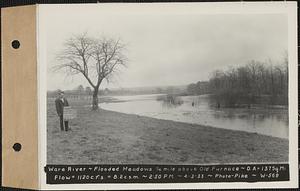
59,104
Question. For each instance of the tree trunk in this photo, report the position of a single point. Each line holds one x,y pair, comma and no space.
95,99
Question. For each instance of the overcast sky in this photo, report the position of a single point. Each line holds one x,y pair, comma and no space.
167,48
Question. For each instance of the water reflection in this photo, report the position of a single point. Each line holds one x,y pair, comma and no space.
202,110
169,101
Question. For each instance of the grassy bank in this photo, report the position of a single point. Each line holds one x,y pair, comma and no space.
110,137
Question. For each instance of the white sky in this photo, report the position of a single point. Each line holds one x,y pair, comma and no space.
166,47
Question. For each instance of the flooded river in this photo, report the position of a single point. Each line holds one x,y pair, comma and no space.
200,110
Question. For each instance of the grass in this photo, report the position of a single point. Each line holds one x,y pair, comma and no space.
106,137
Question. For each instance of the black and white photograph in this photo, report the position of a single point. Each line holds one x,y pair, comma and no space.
166,86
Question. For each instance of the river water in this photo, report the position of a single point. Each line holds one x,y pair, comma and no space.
200,110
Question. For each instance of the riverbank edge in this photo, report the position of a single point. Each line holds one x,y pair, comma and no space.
110,137
193,125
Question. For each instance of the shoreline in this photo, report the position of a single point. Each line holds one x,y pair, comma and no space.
109,137
193,125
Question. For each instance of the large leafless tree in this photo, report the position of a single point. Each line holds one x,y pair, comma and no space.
97,59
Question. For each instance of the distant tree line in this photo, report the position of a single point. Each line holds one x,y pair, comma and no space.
254,83
84,92
78,92
201,87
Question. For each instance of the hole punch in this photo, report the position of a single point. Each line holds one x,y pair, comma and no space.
15,44
17,147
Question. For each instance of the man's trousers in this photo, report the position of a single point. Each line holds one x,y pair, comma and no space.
64,125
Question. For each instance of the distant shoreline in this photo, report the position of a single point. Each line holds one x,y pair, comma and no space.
110,99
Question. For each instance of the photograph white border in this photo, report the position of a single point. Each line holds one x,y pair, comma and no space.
288,8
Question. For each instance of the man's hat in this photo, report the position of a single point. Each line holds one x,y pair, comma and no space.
60,91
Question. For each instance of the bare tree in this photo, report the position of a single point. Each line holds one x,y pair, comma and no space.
88,90
255,82
80,88
94,58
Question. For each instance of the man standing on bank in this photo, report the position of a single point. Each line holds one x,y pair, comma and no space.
60,103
